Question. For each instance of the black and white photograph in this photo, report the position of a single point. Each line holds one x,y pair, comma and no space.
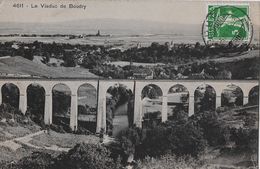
129,84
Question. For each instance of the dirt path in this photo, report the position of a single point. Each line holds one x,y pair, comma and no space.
13,144
17,143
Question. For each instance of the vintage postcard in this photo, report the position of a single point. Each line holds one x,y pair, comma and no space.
134,84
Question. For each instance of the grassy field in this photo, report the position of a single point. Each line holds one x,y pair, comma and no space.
63,140
51,142
9,132
22,67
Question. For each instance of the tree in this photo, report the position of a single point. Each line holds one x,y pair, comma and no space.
197,45
36,99
208,102
69,60
90,156
28,54
46,57
10,94
91,61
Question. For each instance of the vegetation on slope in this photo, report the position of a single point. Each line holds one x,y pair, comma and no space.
192,60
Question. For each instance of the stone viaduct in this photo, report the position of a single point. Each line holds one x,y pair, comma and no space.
102,85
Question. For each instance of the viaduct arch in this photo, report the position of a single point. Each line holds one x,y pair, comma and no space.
136,86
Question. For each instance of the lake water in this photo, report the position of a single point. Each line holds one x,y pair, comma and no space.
117,41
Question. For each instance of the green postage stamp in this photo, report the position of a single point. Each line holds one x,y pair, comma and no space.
225,23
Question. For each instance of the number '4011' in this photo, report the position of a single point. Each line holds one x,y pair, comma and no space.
18,5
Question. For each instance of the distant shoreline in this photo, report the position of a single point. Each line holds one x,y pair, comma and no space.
53,35
92,35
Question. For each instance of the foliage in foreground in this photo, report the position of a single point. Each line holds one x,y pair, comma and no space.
191,136
211,127
174,144
90,156
229,128
179,138
172,162
37,160
168,162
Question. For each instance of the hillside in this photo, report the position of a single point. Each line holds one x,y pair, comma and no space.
21,67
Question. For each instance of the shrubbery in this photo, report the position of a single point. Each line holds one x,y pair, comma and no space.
220,129
245,139
13,116
182,138
190,136
168,161
129,139
90,156
211,127
174,144
154,142
38,160
178,138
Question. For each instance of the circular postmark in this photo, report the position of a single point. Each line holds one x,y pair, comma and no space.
228,26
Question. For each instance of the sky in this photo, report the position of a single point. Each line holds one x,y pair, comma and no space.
113,16
168,11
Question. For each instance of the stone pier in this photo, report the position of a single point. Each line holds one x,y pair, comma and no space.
136,86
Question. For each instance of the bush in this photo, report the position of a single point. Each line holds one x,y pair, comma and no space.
129,139
186,139
90,156
168,162
183,138
211,127
13,116
38,160
155,142
220,129
245,139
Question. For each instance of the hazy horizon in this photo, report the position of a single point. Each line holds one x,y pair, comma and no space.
116,17
107,26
